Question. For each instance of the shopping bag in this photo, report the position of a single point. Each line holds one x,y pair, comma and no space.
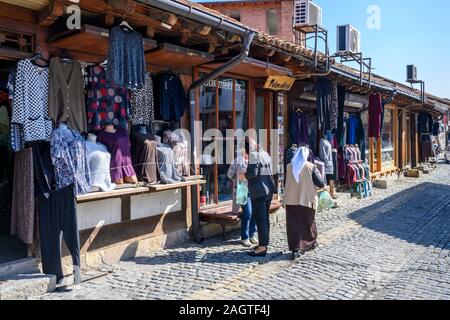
241,193
325,201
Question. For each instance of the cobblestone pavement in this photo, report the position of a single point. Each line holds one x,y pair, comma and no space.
394,245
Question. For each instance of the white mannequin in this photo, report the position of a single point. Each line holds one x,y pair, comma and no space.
92,138
158,140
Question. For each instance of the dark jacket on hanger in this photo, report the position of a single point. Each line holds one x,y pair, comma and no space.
170,96
298,128
425,123
323,92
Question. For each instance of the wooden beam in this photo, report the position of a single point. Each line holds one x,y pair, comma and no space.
51,13
379,155
395,134
150,32
109,20
128,6
371,154
17,13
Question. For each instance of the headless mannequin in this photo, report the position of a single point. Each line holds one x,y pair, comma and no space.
133,179
92,138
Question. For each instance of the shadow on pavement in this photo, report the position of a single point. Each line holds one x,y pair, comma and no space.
417,215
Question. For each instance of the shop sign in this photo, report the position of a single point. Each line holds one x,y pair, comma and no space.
279,83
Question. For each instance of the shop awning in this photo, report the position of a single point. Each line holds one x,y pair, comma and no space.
440,107
253,68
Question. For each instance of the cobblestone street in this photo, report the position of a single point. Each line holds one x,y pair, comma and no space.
394,245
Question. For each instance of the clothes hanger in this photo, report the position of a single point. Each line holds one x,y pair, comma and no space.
40,57
124,24
66,60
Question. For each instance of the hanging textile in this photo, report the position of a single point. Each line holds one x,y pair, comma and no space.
436,128
323,92
298,128
361,137
23,200
425,123
171,99
126,61
16,132
69,157
142,110
66,94
30,107
58,214
106,103
334,106
375,113
340,129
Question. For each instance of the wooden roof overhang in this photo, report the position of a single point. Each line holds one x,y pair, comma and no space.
253,68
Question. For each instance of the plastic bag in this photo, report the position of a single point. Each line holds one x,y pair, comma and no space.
325,201
241,193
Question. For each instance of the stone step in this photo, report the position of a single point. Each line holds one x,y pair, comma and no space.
24,286
23,266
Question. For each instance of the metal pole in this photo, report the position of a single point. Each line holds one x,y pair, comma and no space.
315,46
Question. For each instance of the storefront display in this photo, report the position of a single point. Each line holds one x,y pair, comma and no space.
99,160
118,143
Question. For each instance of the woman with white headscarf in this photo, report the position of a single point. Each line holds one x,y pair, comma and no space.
301,200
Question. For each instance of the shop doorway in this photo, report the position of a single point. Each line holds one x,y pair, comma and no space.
11,248
264,119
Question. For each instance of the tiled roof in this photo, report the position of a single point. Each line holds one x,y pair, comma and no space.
261,37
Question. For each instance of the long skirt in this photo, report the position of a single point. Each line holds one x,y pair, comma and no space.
301,228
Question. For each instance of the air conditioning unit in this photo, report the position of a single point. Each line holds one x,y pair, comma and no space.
307,13
411,73
348,39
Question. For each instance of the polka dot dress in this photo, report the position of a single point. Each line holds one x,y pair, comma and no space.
106,104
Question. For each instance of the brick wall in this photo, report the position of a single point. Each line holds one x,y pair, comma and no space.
254,15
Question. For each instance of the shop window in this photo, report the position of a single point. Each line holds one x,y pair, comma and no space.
387,141
223,106
272,22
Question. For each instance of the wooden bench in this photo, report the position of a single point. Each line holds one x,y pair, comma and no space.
224,215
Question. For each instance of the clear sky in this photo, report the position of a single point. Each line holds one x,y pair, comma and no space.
411,32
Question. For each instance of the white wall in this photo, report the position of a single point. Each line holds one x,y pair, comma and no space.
104,212
153,204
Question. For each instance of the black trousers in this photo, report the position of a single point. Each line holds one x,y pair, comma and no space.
261,212
57,221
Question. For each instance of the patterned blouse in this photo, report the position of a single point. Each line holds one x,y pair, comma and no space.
30,108
106,104
142,108
70,159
